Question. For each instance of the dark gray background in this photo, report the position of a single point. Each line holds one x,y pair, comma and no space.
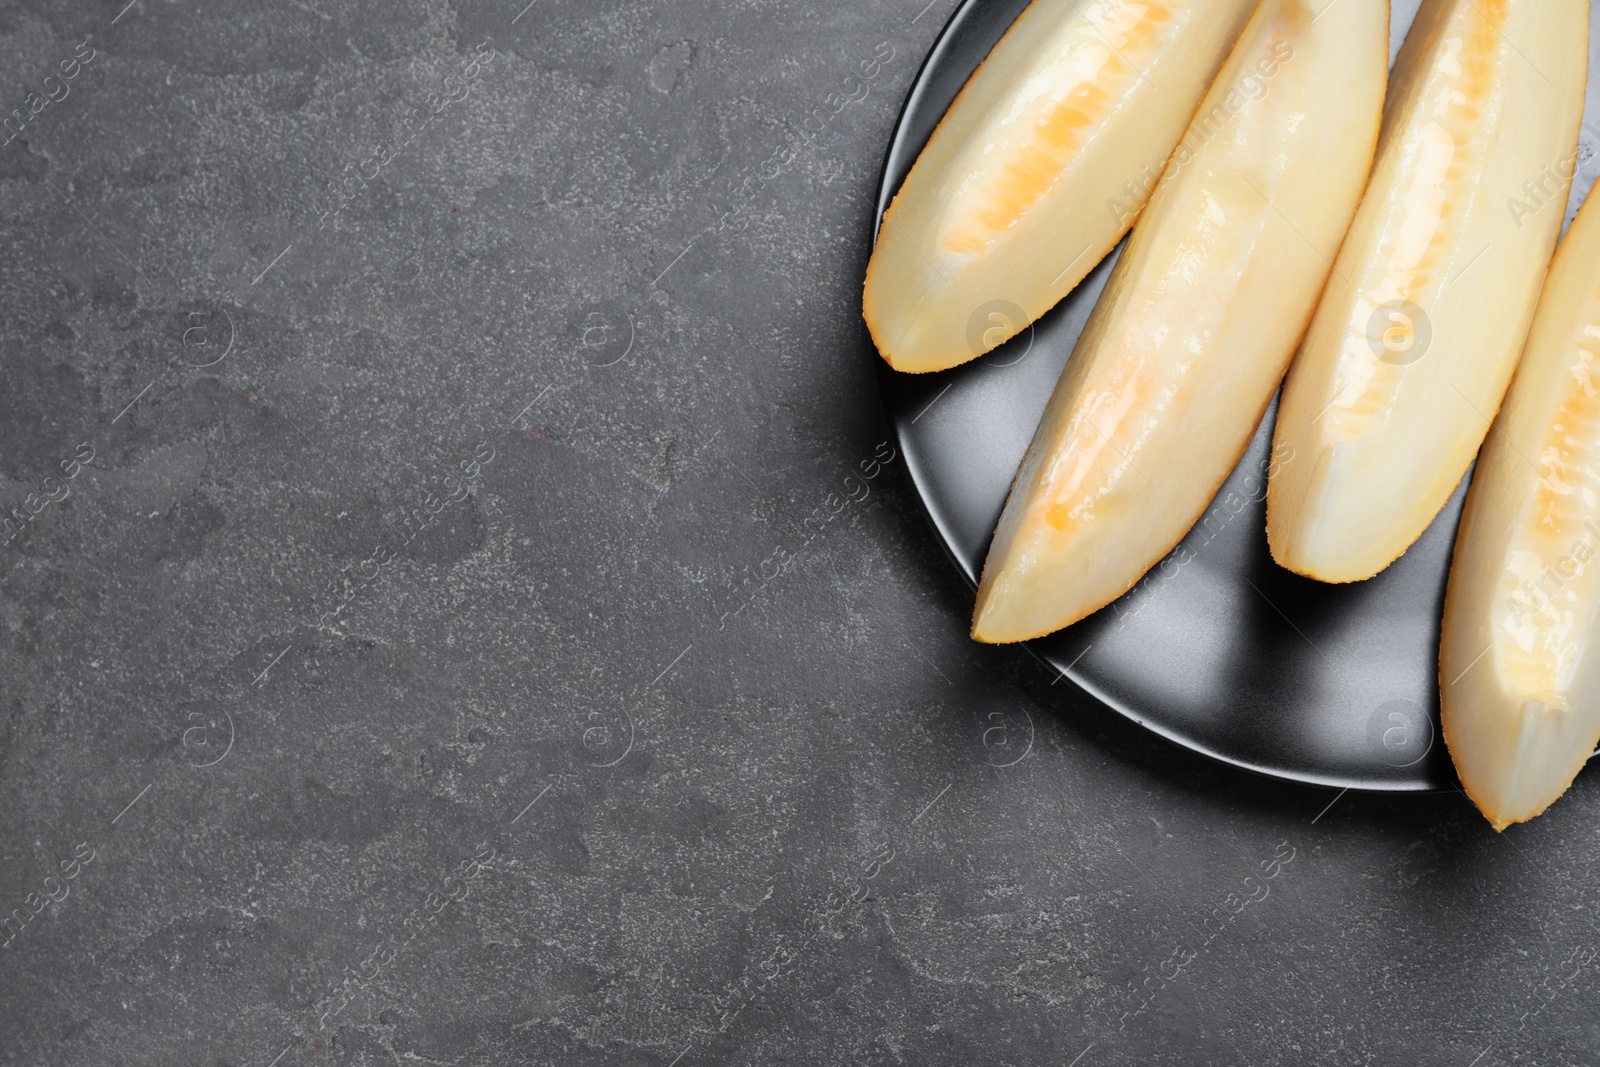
741,788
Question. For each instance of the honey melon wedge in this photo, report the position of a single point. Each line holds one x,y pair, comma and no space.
1198,320
1039,167
1410,351
1519,662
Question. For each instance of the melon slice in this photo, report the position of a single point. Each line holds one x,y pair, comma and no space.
1037,170
1199,319
1519,663
1409,353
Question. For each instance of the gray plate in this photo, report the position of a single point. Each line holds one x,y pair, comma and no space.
1228,654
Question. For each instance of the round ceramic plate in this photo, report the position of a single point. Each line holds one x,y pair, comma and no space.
1225,653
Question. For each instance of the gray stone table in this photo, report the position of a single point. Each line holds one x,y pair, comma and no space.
429,637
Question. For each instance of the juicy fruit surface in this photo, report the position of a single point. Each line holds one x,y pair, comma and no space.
1005,177
1410,351
1038,169
1198,321
1519,670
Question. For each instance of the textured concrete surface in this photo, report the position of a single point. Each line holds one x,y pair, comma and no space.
433,634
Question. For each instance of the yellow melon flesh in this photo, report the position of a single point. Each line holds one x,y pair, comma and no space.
1198,321
1037,170
1410,350
1519,663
